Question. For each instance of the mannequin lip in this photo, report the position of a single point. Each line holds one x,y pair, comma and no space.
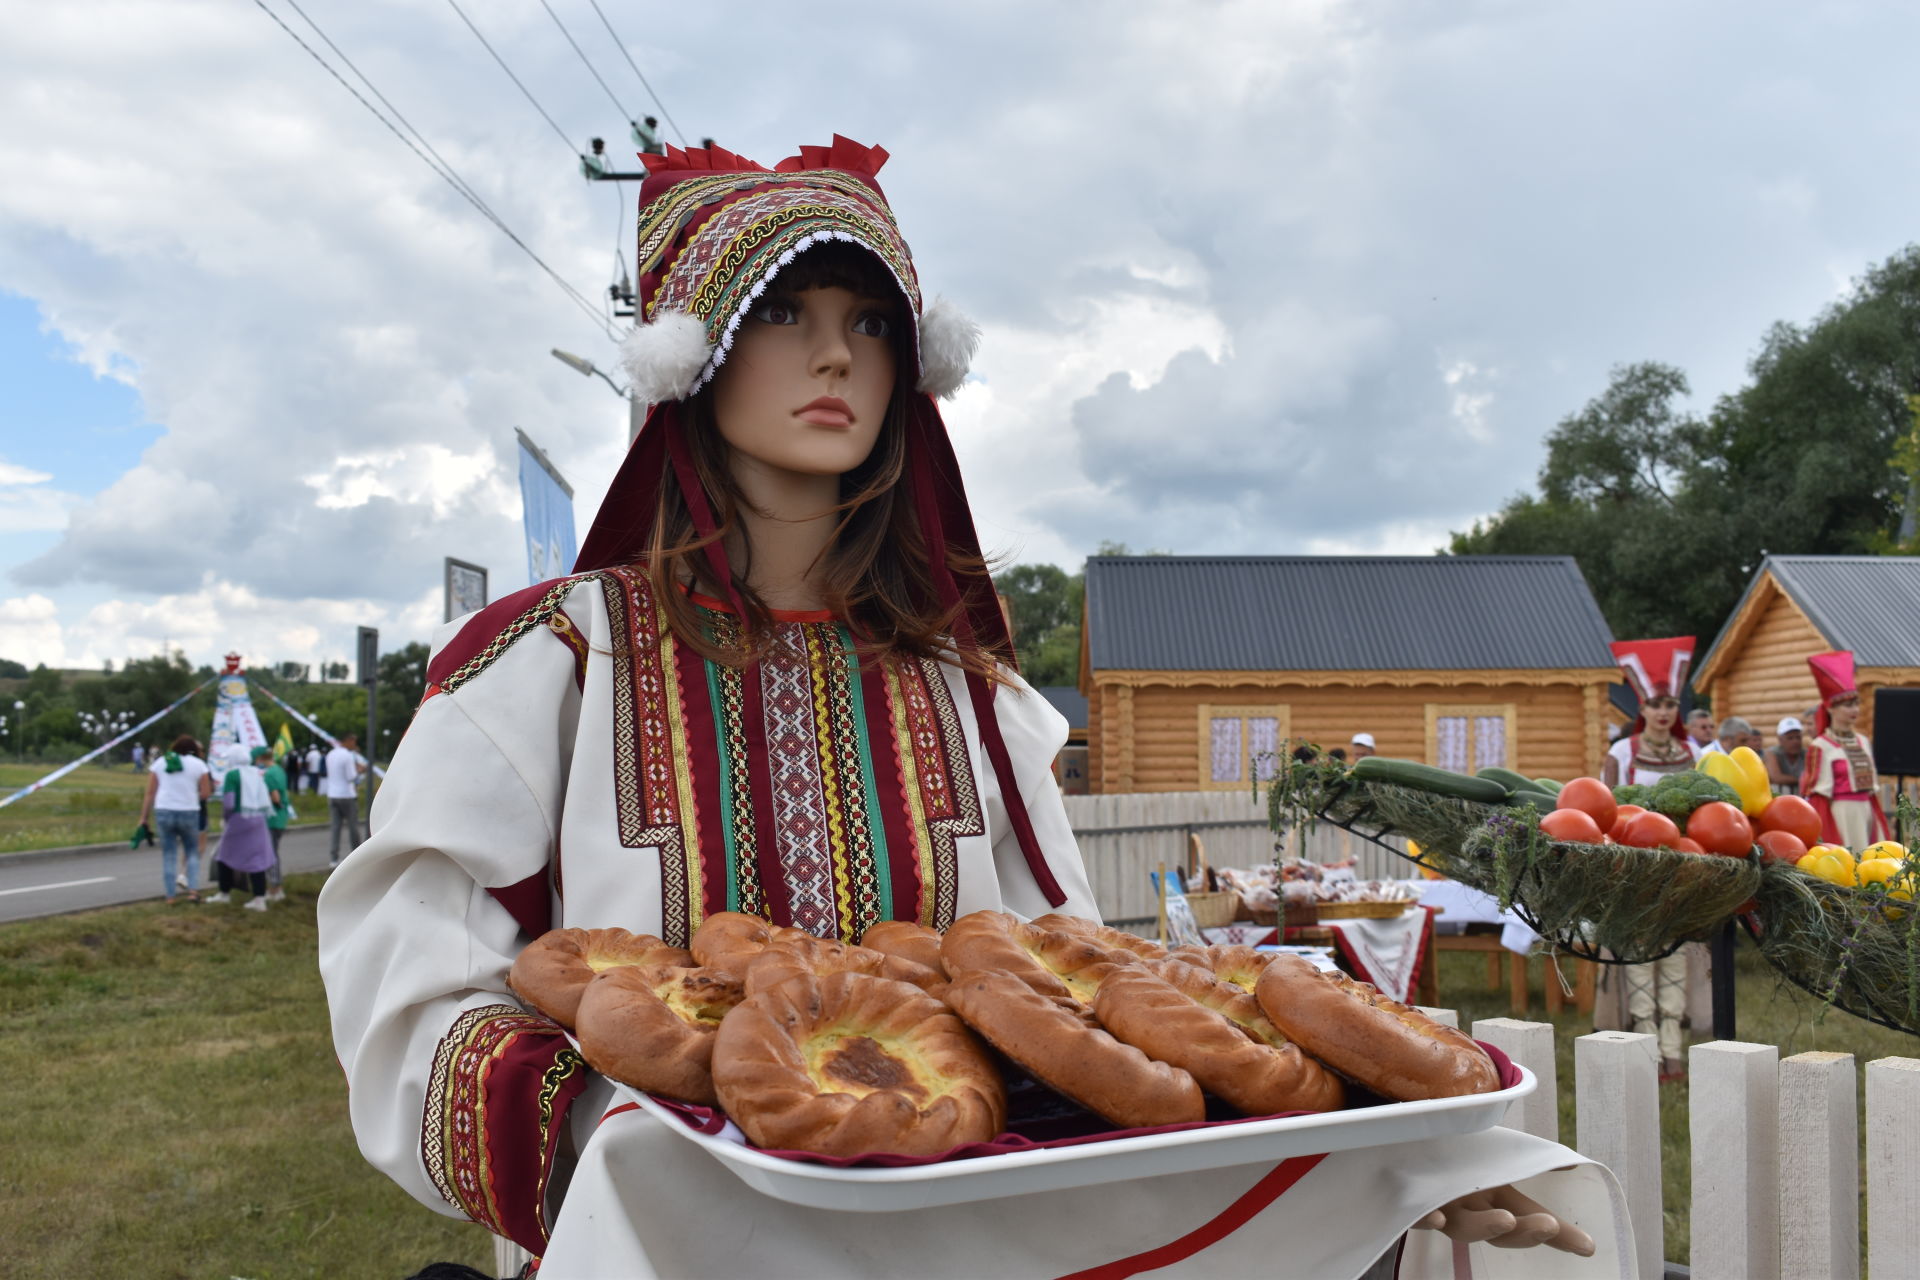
827,411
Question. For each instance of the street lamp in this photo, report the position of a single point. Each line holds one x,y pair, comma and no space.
582,365
20,714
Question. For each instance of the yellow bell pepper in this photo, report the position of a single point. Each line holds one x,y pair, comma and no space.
1755,788
1720,766
1877,870
1884,849
1832,864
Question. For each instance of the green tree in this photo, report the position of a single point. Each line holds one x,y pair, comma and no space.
1044,604
1669,515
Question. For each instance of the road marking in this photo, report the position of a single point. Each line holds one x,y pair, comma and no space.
64,884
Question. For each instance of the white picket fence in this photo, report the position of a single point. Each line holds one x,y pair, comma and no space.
1124,838
1775,1145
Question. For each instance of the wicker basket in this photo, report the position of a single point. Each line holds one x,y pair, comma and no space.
1363,910
1212,910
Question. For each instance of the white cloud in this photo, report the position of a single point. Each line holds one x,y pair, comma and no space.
1215,250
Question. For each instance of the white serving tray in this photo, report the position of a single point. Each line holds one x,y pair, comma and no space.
889,1190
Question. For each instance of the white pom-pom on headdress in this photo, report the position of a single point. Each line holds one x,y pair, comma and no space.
947,342
664,359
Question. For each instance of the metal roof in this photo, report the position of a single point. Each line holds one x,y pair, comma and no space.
1869,604
1333,613
1068,701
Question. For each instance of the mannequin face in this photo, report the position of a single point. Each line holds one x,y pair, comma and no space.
791,352
1845,714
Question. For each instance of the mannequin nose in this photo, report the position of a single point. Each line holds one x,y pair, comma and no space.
833,357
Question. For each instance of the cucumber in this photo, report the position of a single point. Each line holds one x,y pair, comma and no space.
1549,785
1424,777
1507,778
1537,798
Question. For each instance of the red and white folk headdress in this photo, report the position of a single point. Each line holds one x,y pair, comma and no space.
1654,668
1833,675
715,229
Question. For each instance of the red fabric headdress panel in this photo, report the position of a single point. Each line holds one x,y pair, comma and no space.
1655,668
1833,675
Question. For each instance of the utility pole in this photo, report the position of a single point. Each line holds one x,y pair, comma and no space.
370,679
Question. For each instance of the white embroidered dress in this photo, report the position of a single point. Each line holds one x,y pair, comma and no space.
523,796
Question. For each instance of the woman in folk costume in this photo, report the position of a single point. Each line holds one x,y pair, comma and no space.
1656,670
1840,781
777,683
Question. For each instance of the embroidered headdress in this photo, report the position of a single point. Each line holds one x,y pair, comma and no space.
1654,669
715,229
1833,676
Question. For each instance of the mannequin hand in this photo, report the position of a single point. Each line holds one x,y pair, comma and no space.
1507,1220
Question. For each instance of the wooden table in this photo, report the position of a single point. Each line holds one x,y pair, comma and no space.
1488,943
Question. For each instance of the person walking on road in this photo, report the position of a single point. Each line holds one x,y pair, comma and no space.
177,785
280,791
344,767
246,845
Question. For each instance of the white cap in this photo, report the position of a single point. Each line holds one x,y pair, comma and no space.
1789,725
1362,739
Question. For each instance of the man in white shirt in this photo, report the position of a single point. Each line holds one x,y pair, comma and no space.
1362,746
342,789
310,775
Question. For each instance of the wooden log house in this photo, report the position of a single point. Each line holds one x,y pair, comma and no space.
1801,605
1194,666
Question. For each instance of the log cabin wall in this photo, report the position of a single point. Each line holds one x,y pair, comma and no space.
1146,735
1766,676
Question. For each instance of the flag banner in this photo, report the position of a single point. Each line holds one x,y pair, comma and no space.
236,726
283,744
547,502
66,769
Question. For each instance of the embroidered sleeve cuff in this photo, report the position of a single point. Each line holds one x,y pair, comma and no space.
496,1108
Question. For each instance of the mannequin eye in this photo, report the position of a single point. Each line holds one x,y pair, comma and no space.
776,311
874,324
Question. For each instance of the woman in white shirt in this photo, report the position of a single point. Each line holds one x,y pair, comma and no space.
177,783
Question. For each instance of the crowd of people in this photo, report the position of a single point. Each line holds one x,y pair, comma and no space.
256,794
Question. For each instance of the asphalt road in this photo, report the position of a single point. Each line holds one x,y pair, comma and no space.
40,885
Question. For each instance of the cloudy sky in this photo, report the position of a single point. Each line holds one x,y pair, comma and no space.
1255,277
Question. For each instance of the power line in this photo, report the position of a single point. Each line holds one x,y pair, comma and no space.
445,175
624,113
571,149
621,46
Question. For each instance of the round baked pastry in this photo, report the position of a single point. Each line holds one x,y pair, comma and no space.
1052,963
907,940
1182,1015
850,1065
652,1027
789,957
1392,1049
1083,1062
553,969
1241,966
1101,935
728,939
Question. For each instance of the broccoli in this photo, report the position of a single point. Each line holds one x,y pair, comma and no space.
1678,794
1631,793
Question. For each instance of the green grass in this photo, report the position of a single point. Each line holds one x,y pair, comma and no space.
1767,1011
95,804
176,1109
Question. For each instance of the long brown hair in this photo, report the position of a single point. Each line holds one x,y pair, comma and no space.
876,573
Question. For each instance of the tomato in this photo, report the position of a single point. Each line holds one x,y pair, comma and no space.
1648,830
1793,815
1721,828
1684,845
1622,815
1591,797
1781,846
1572,824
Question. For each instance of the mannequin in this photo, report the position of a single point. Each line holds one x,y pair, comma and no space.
779,682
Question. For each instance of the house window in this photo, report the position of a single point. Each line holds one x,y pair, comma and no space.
1238,744
1468,739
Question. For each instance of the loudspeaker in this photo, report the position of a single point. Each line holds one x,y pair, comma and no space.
1896,731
